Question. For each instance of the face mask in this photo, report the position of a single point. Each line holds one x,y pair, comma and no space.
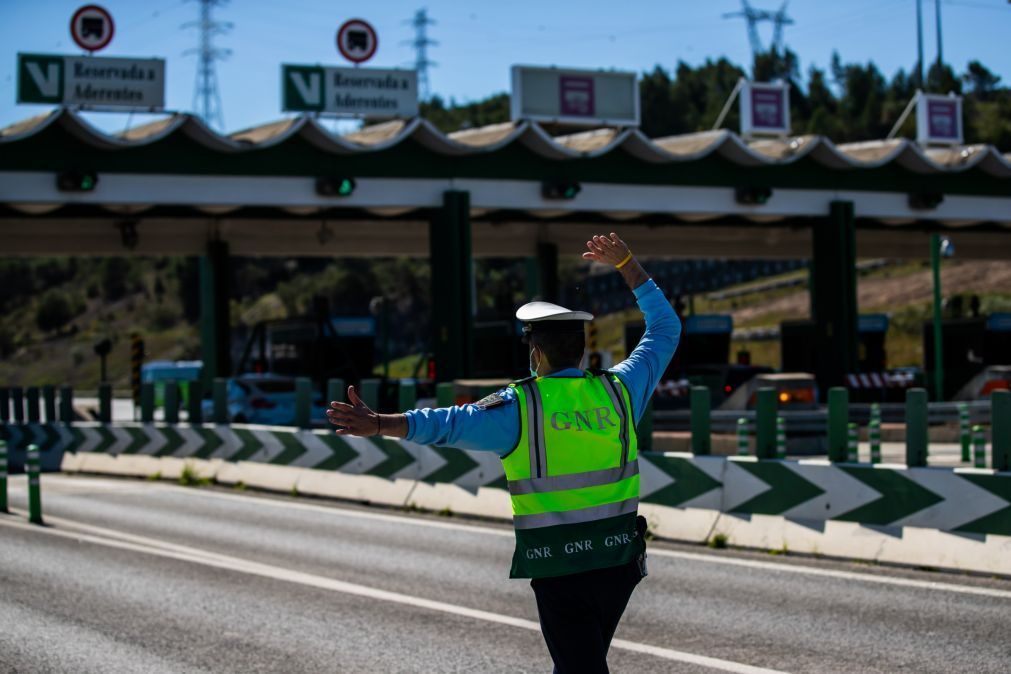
533,367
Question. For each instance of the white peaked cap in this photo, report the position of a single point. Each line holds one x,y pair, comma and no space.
533,312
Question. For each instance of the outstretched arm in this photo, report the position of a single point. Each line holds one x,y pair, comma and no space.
357,419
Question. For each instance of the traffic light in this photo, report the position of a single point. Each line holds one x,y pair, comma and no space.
76,181
334,186
560,189
925,201
753,196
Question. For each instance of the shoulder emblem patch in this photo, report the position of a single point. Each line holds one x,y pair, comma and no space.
494,400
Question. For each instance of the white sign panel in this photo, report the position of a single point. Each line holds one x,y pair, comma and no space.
580,97
352,92
765,108
938,119
91,81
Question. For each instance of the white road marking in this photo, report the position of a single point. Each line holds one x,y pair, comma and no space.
206,558
656,552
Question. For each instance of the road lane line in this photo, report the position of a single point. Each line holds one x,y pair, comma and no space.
657,552
206,558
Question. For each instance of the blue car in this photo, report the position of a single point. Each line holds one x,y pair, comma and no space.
267,399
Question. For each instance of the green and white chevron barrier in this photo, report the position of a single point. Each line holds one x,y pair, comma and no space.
975,501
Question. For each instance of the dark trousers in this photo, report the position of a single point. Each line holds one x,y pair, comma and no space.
579,614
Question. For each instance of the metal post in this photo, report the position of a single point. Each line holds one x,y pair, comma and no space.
765,423
964,434
195,410
852,443
32,403
644,430
369,393
34,488
303,402
407,395
838,417
1000,430
5,404
67,404
742,437
105,402
220,400
875,413
3,476
780,437
916,427
935,265
172,402
335,391
874,436
978,447
445,394
147,402
702,444
18,401
49,402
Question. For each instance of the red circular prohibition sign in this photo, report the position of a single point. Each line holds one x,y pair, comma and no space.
79,39
361,25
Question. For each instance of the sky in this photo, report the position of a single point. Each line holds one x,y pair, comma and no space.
478,40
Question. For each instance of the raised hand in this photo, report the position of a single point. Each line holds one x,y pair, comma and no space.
355,418
606,249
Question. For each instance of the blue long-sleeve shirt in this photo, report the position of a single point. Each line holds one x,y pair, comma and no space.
497,428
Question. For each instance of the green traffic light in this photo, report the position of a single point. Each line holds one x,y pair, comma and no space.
346,187
87,182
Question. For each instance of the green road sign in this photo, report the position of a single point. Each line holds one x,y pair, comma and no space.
40,78
91,81
352,92
302,88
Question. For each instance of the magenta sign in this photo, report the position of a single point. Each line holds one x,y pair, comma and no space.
767,109
942,119
576,96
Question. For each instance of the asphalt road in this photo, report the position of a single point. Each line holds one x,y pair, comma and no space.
133,576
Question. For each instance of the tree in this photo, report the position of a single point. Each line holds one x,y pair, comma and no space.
980,80
54,311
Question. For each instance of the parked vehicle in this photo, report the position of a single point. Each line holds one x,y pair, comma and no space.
794,390
265,399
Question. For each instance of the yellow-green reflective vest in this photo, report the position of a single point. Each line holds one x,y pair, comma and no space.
574,476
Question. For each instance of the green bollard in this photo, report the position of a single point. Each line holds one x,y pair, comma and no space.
852,443
220,400
18,402
766,408
916,428
875,414
978,447
702,442
335,391
368,391
445,394
67,404
172,402
49,402
874,437
964,432
3,477
5,405
32,403
644,430
1000,430
742,437
838,418
407,395
105,402
195,408
303,402
147,402
780,437
34,488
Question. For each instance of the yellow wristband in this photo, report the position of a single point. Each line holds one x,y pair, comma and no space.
625,261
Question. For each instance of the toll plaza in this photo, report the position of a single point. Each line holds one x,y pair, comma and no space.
291,187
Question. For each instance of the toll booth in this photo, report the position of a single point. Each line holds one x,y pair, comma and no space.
970,344
796,343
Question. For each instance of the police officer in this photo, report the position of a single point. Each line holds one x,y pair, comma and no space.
568,446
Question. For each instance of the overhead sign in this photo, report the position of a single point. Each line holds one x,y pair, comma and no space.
352,92
765,108
939,119
357,40
92,81
92,28
580,97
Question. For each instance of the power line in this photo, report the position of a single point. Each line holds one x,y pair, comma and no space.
206,97
421,42
754,16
